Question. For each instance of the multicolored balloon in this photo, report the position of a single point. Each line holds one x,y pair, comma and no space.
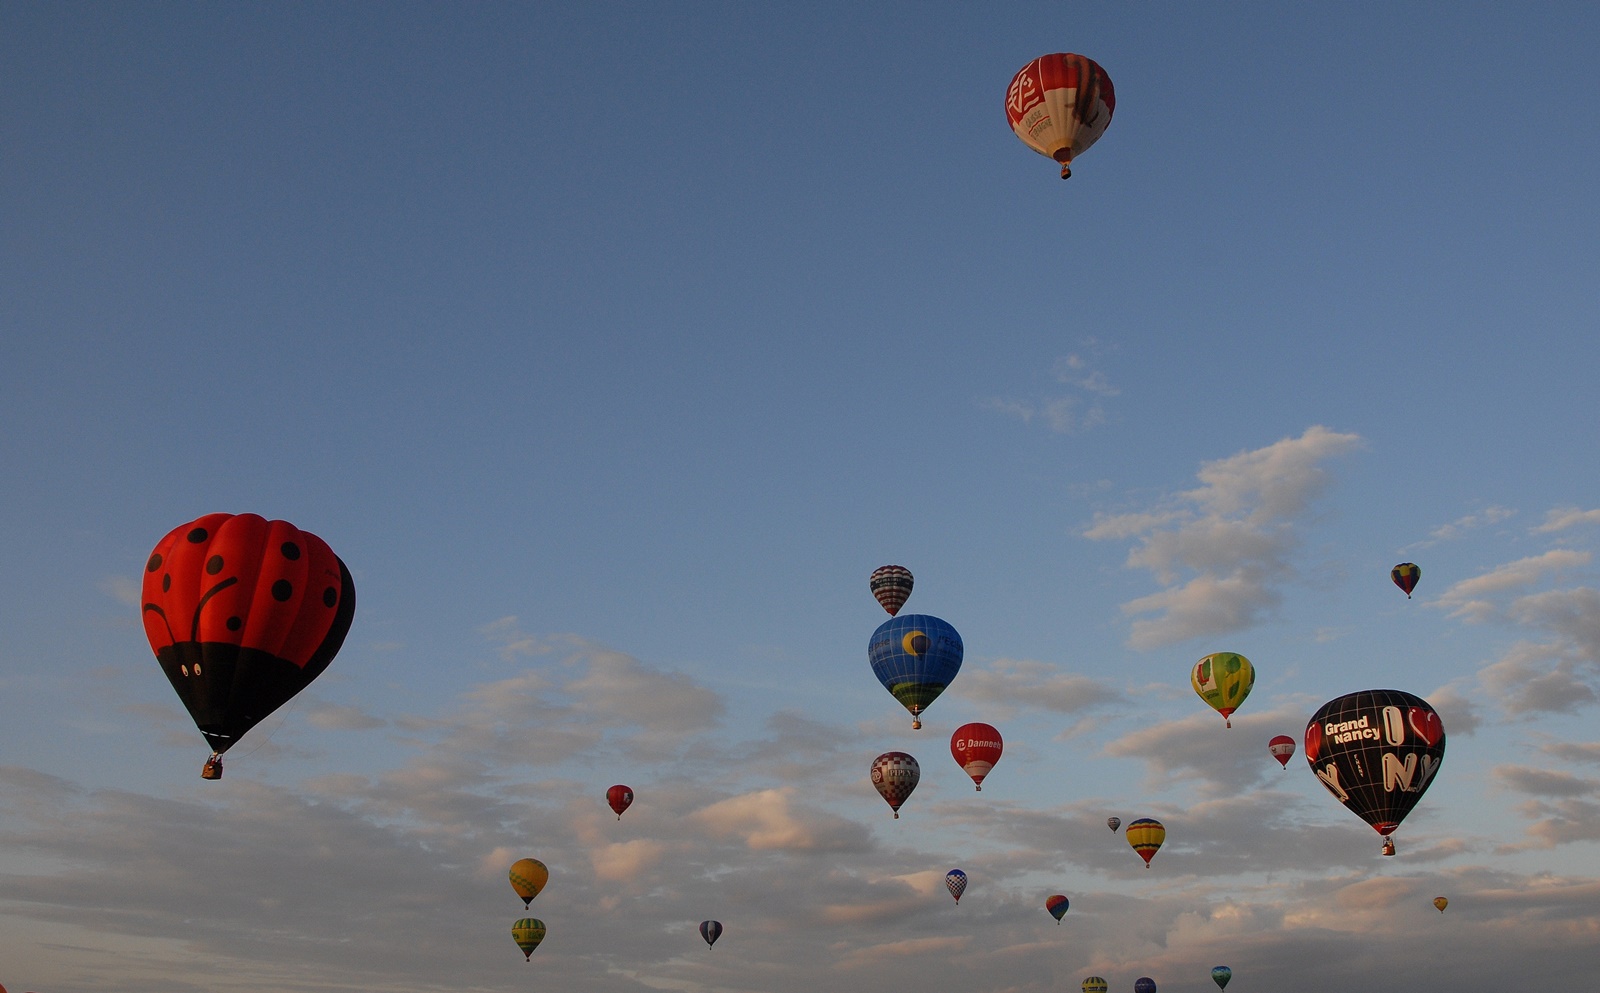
915,657
977,748
710,931
1220,975
1282,748
956,882
1376,751
620,798
1113,823
243,613
528,877
1057,905
1223,680
1059,105
1144,984
891,584
1146,835
527,933
1405,576
894,776
1095,984
1441,903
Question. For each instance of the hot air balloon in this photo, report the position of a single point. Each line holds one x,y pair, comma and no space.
1095,984
1282,748
895,775
1220,975
1441,903
1057,905
915,657
1113,823
243,613
956,882
891,584
1223,680
620,798
527,933
1376,751
1059,105
528,877
711,931
1146,835
1405,576
1144,984
977,748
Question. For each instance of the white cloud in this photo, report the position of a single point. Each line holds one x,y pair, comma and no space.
1082,407
1469,598
1470,522
1563,518
1020,684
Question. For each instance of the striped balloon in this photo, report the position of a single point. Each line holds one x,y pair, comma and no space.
1146,835
891,584
1096,984
1059,105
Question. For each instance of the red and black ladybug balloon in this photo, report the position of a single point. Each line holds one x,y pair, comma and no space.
243,613
1376,751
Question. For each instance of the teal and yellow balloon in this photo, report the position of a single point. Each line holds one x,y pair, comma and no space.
915,656
527,933
1223,680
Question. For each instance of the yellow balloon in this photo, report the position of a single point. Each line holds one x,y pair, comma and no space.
1146,835
1223,680
528,877
1441,903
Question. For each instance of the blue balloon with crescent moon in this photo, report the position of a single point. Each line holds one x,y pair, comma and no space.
915,656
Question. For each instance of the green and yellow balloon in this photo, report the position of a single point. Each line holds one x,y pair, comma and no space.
1223,680
527,933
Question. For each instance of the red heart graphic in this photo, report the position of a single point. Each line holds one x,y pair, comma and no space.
1313,742
1426,724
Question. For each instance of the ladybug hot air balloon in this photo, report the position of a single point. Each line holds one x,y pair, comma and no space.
1057,905
956,882
620,798
1223,680
1376,751
1146,835
1405,576
1282,748
976,748
894,776
915,657
891,584
1059,105
243,613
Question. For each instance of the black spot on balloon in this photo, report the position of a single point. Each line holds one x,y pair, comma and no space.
330,596
198,535
166,582
235,624
282,590
153,564
214,564
290,550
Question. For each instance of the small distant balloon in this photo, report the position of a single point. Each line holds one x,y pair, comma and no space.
1057,905
528,877
1146,835
891,584
1441,903
620,798
1220,975
527,933
710,931
1405,576
1096,984
1282,749
1113,823
1144,984
956,882
1223,680
977,748
894,776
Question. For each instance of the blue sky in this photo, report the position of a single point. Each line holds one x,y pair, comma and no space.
613,346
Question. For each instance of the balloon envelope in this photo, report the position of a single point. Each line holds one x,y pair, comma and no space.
1282,749
1096,984
1113,823
1223,680
891,584
976,748
1146,835
1059,105
710,931
1144,984
956,882
1220,975
1376,751
894,776
527,933
528,877
243,613
915,657
1405,576
1057,905
1441,903
620,798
